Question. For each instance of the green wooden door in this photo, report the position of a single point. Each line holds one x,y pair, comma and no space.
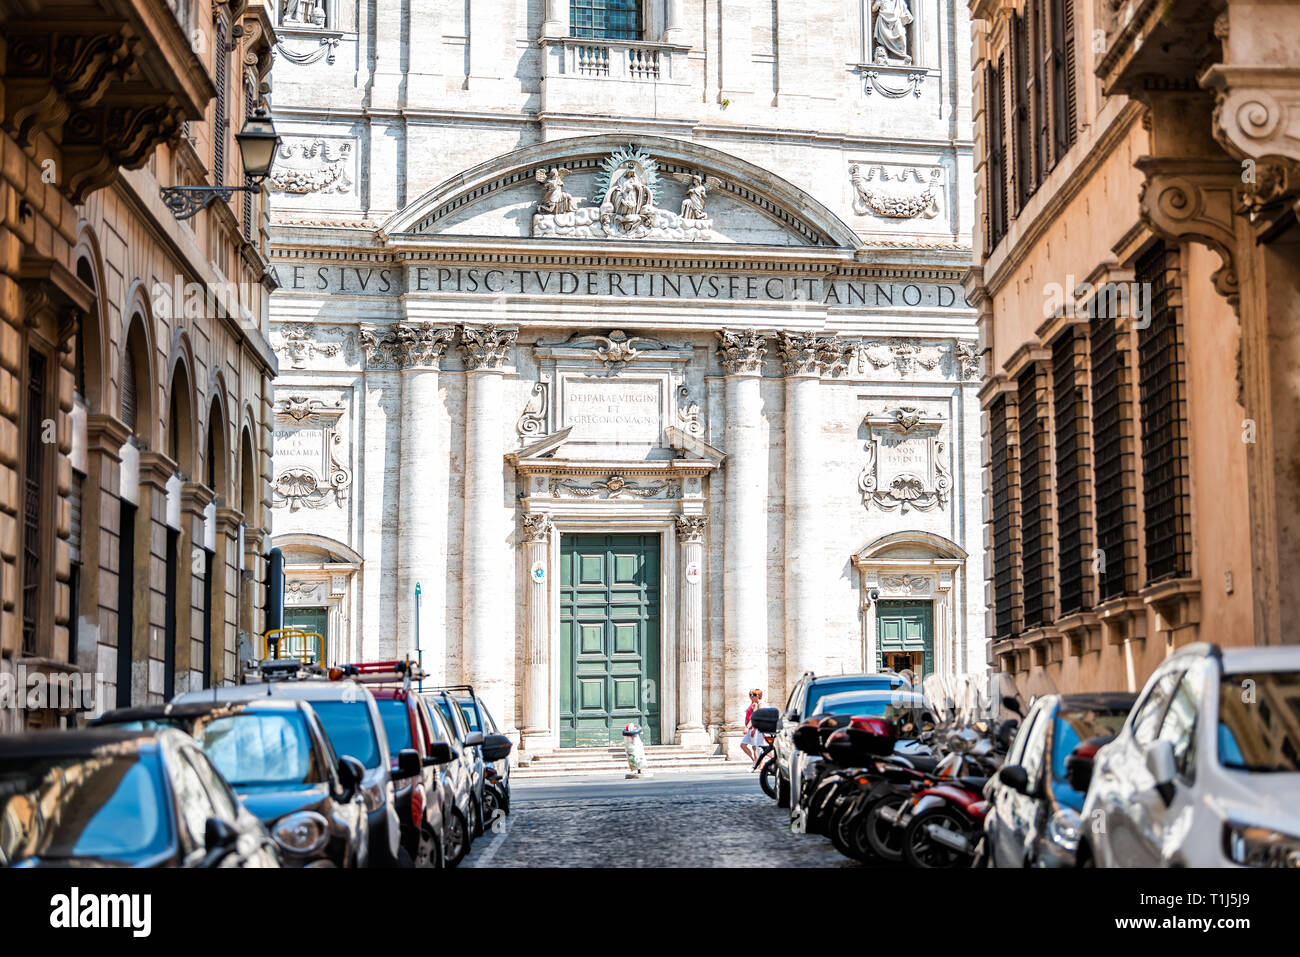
609,638
313,619
906,626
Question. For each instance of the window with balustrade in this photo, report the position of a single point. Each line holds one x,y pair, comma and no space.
606,19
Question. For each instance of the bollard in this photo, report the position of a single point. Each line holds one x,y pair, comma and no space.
635,748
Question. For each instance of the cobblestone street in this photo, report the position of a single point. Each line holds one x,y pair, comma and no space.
711,819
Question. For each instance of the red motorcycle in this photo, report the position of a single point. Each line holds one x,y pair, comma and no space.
945,824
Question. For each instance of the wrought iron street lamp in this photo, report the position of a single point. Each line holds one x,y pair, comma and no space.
258,142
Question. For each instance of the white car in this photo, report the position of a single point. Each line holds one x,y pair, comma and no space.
1206,770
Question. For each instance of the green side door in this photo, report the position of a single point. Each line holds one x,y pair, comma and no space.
609,638
904,626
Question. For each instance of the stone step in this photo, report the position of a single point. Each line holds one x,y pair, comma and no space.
601,756
715,763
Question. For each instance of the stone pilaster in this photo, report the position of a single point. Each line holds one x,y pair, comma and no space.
537,733
421,533
690,635
803,358
674,28
195,499
556,23
485,645
744,569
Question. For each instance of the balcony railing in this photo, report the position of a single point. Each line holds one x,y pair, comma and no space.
631,60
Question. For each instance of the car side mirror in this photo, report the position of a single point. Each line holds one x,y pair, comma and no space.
219,840
1161,764
496,747
440,753
792,715
409,764
1012,705
473,739
1015,777
351,772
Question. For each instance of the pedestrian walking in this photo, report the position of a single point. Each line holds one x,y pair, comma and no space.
752,742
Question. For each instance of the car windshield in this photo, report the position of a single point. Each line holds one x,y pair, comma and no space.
348,725
1259,722
1073,727
469,709
866,683
890,707
397,725
105,807
260,750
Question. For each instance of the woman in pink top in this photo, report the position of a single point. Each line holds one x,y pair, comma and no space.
752,743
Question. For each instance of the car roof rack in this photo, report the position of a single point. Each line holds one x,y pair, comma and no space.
467,688
397,671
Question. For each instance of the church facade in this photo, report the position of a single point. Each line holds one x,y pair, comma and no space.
625,361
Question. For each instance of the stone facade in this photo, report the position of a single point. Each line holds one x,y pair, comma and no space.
1135,280
135,373
700,287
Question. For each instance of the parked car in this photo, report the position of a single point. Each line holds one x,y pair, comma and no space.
457,778
352,721
106,797
1034,804
1206,770
496,754
470,744
804,702
420,793
276,756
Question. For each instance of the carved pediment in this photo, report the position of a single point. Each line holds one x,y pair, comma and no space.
597,189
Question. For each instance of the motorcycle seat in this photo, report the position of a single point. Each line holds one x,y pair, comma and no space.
922,762
973,783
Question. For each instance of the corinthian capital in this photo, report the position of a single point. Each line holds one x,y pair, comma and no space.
537,527
690,528
741,352
420,345
811,353
486,347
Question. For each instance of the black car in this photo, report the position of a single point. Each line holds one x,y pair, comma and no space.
470,744
279,760
1036,799
496,755
105,797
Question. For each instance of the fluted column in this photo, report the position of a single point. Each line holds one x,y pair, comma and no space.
744,571
556,23
690,638
537,664
485,649
804,357
674,32
421,532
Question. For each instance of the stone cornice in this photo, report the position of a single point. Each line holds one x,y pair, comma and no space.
196,497
1019,360
578,468
106,434
229,520
156,469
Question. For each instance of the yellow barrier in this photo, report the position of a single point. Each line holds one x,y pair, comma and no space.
306,646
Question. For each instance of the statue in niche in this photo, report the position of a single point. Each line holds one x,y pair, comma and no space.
697,188
554,199
892,18
629,200
309,13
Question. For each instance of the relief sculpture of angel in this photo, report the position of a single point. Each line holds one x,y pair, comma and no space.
554,199
697,188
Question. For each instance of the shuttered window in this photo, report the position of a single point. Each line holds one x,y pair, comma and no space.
1161,359
34,479
1002,474
1022,175
220,120
128,391
1073,478
1113,463
1035,496
996,166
